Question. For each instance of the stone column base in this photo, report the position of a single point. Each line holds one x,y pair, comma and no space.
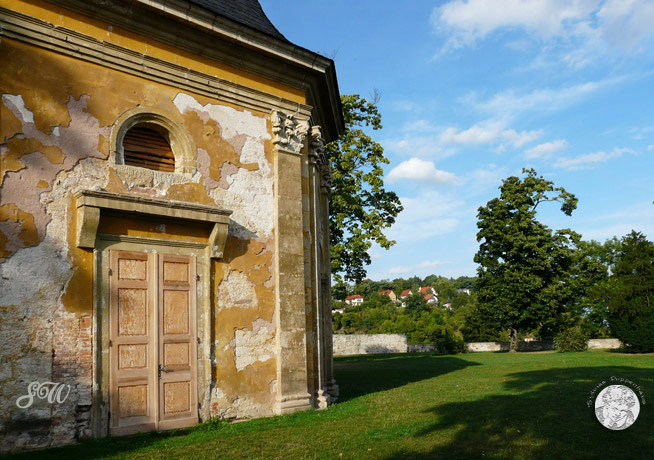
322,399
293,403
332,389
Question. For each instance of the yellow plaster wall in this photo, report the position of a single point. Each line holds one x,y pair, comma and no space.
74,104
104,32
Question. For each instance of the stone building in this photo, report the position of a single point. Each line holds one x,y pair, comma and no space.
163,218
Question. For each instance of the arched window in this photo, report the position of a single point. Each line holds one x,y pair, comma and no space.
143,138
147,146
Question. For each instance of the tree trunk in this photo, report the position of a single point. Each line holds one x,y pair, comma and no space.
514,340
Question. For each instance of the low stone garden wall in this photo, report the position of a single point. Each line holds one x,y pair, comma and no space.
365,344
421,348
362,344
487,346
539,345
604,344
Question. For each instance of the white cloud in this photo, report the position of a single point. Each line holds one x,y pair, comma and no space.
419,126
428,215
403,269
590,160
475,135
520,139
481,180
423,171
490,131
572,24
468,21
639,217
546,149
650,147
509,104
625,23
417,146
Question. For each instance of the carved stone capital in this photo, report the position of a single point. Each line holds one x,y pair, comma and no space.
317,146
326,178
288,133
317,156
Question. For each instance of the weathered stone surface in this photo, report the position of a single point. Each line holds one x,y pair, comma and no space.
487,346
361,344
421,348
604,344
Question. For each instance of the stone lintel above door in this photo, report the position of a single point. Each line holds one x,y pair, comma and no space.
89,204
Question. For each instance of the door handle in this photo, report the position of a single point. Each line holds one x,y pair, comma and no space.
164,369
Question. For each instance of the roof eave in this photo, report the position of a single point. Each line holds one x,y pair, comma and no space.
257,53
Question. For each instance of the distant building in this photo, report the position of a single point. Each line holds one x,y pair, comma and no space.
354,300
428,290
390,294
463,291
404,294
431,298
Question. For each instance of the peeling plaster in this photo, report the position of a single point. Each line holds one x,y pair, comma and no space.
227,171
79,140
16,104
232,122
236,291
255,345
248,192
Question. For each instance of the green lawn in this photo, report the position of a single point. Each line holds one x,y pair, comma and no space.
488,405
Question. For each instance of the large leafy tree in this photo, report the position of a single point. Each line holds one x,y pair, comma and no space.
630,293
526,271
360,206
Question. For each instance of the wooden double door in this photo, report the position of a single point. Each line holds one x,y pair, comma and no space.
153,372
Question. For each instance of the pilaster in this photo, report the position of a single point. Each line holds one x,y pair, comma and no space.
292,391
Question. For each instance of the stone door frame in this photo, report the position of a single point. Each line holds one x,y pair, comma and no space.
90,205
101,325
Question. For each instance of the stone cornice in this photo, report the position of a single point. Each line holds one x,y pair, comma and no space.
89,204
194,29
68,42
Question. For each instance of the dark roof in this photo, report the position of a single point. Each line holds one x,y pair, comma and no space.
246,12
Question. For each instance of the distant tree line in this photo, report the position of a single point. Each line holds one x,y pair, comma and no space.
532,281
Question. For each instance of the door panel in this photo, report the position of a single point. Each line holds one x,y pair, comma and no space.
132,351
177,344
153,342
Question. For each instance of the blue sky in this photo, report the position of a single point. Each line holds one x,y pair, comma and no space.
472,91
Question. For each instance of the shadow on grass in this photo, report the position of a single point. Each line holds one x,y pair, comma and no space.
357,376
543,415
101,448
361,375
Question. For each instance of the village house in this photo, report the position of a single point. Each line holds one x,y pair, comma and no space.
404,294
164,247
431,298
390,294
354,300
428,290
